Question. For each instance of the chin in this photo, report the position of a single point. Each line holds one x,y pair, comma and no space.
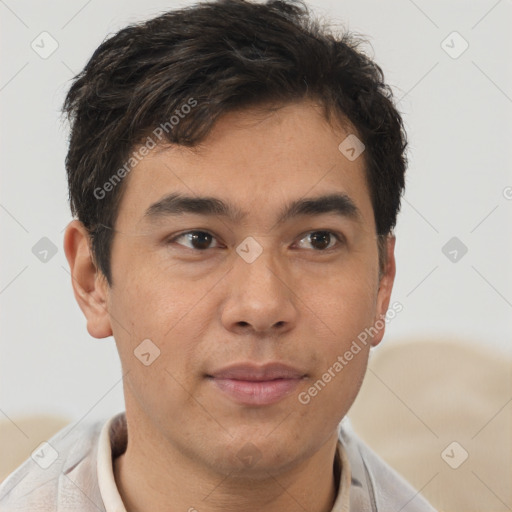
259,457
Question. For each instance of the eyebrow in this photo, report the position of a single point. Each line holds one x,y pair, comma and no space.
176,204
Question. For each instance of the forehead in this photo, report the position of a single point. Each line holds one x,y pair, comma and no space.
254,163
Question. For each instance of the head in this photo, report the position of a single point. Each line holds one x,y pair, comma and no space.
220,216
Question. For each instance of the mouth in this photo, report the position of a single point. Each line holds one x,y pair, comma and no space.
247,384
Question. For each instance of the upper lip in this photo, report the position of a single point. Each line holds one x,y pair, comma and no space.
252,372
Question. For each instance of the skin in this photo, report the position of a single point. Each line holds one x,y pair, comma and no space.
205,310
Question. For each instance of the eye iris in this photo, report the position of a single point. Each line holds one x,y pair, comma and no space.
322,237
200,239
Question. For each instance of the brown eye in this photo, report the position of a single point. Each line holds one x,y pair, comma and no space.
321,240
199,240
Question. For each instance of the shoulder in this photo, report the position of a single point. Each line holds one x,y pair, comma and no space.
376,486
62,471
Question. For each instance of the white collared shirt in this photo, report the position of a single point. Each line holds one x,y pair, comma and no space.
74,472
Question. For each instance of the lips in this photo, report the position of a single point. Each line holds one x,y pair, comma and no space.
248,384
252,372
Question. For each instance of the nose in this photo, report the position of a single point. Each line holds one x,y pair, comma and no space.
260,297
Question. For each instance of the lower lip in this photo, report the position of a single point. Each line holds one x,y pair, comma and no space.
256,392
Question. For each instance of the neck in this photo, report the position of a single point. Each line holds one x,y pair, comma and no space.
149,477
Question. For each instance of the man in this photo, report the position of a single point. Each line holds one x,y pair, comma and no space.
236,173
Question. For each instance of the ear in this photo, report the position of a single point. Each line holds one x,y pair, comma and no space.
89,284
387,279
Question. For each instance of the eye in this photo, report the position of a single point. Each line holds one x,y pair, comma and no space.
199,240
321,240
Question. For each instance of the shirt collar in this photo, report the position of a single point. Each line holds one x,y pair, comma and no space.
108,441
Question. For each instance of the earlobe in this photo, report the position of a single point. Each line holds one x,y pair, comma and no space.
385,288
89,285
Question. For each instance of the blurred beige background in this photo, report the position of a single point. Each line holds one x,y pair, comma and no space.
440,413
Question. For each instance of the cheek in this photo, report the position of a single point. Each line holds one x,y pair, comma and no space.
156,348
147,302
157,329
346,303
335,386
346,310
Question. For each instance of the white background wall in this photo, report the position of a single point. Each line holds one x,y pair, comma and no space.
458,113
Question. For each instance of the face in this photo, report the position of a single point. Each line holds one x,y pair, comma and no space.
247,310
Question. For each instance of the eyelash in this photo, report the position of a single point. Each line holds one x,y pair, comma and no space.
340,239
